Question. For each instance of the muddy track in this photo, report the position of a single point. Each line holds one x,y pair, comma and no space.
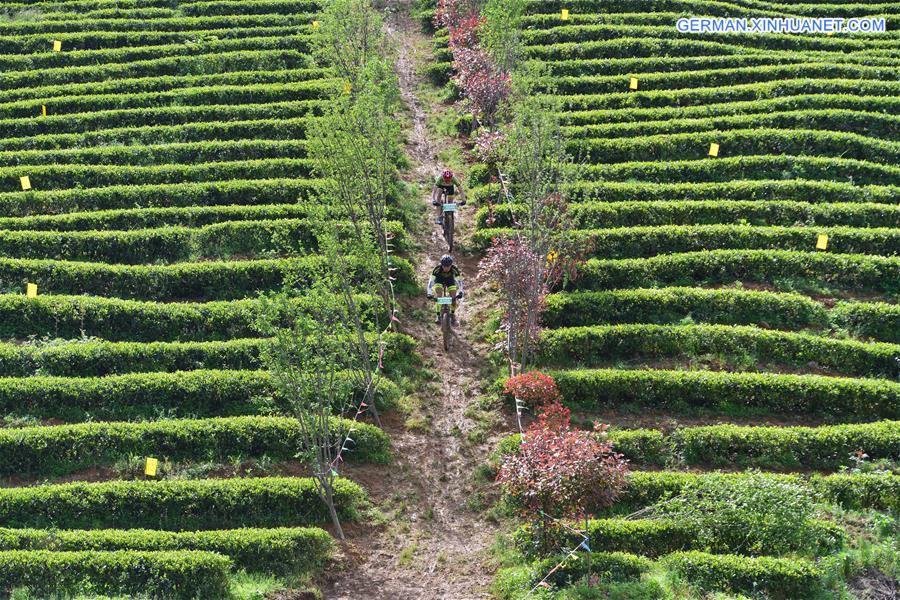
435,545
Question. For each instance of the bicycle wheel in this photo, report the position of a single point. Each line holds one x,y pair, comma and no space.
445,328
448,230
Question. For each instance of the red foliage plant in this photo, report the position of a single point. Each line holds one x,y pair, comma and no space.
534,388
562,472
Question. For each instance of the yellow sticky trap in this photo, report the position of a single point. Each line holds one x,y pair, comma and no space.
634,84
57,45
822,242
564,15
347,88
31,290
315,25
43,110
150,467
713,149
26,182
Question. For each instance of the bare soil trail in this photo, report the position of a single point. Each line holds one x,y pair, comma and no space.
433,545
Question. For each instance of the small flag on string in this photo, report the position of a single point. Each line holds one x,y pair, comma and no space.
713,149
565,14
150,467
43,110
584,545
634,84
822,242
57,45
334,473
26,182
31,290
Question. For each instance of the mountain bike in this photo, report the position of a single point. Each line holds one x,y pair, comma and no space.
446,314
449,210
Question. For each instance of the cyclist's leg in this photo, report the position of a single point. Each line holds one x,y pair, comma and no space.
438,292
451,291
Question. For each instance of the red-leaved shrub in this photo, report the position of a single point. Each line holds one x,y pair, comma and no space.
534,388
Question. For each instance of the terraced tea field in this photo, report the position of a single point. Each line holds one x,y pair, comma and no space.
739,194
164,146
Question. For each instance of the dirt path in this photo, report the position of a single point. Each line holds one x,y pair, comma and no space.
433,545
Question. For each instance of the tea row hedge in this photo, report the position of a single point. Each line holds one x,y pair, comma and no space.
99,39
656,537
251,192
176,505
223,280
278,550
587,214
656,240
152,218
63,449
833,397
170,574
779,267
78,58
88,123
194,96
572,346
671,305
119,320
176,153
199,393
820,193
766,109
701,98
860,122
54,177
265,128
827,447
776,577
201,62
735,142
774,41
201,23
727,168
172,244
851,491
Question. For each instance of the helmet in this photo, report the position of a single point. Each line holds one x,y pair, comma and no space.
447,174
446,260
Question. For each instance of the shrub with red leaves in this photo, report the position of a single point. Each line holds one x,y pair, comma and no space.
534,388
562,472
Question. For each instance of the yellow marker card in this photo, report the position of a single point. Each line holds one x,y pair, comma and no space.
57,46
315,25
26,182
713,149
43,110
150,467
347,87
31,290
565,14
822,242
634,84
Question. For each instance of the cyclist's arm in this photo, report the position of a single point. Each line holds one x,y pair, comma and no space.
462,190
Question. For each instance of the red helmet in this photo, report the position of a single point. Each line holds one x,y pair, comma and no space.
448,174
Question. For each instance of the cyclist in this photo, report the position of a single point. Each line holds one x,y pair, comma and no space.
445,281
445,188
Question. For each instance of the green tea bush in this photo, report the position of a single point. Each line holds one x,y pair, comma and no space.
63,449
173,574
278,550
176,505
